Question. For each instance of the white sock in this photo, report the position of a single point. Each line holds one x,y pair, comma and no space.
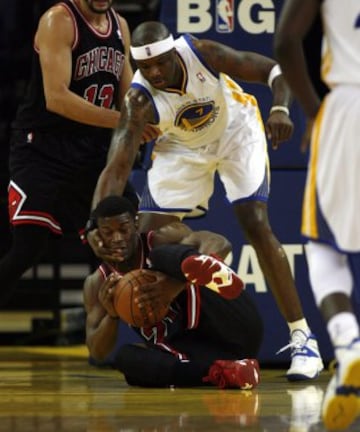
300,324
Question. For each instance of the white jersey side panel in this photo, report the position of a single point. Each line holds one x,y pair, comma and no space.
341,43
332,197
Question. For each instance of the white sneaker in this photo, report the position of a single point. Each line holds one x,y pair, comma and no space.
340,407
306,362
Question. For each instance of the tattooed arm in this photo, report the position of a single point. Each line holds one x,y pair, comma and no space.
255,68
136,112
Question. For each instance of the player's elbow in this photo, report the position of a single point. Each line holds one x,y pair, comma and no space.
283,45
55,100
54,103
96,350
224,248
98,356
227,248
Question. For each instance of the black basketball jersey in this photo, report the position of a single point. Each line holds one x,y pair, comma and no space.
173,323
97,63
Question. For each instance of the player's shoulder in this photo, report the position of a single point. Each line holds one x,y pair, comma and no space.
57,12
187,43
57,18
124,27
122,20
92,285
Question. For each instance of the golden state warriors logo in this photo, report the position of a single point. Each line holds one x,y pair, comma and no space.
196,116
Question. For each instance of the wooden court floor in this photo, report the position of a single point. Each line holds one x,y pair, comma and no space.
55,389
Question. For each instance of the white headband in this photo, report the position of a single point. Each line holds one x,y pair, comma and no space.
153,49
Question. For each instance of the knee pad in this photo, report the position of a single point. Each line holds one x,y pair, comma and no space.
329,271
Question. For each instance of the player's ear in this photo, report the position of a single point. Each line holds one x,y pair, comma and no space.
136,221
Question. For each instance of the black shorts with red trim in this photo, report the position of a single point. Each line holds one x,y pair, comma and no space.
53,177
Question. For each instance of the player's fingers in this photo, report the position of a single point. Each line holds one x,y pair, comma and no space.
285,132
109,282
268,131
141,301
306,138
274,144
273,136
113,279
150,133
147,293
94,241
109,255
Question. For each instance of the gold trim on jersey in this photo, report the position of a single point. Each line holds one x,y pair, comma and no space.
181,91
240,96
309,226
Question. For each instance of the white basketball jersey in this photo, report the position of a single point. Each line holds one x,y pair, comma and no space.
197,114
341,42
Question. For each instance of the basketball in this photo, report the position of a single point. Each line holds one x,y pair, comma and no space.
124,297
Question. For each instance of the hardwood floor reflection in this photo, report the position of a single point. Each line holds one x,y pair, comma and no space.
54,390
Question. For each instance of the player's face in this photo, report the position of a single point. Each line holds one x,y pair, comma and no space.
162,71
99,6
119,235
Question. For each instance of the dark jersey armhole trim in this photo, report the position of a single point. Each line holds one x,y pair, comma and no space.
188,39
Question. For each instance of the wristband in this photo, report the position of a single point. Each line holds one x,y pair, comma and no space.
274,73
281,108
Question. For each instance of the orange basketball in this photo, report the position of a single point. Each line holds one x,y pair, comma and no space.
124,303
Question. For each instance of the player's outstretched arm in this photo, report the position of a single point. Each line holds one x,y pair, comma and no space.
256,68
206,242
194,256
136,112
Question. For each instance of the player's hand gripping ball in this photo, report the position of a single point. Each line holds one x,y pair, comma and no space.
152,311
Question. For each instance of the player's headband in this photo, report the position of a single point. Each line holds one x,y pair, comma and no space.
153,49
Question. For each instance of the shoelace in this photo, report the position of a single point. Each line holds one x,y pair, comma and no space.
294,344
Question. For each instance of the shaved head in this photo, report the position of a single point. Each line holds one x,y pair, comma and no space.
149,32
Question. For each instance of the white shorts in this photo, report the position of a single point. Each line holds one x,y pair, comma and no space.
181,179
331,207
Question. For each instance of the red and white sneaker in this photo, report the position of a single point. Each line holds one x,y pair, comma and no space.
243,374
209,271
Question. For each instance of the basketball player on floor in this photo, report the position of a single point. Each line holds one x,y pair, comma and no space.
63,127
209,124
331,204
205,337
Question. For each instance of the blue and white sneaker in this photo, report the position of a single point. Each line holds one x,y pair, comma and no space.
342,397
306,361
